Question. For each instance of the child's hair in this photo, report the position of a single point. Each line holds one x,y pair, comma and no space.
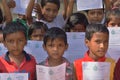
57,2
13,27
1,16
54,33
37,25
77,18
93,28
114,12
93,9
1,30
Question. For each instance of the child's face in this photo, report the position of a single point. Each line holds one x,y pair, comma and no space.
95,15
15,43
50,11
78,28
114,22
98,45
37,34
55,48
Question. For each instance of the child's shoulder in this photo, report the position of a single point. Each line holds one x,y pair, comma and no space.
30,57
80,60
110,60
66,60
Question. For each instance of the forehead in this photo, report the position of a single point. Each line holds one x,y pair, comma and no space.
114,17
39,31
14,35
96,10
100,35
55,40
51,5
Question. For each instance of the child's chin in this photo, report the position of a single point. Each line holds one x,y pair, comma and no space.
50,20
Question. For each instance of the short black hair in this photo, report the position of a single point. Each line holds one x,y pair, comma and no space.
37,25
1,16
113,12
77,18
54,33
13,27
57,2
93,28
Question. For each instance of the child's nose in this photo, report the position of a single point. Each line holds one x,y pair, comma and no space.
101,45
15,44
96,14
55,48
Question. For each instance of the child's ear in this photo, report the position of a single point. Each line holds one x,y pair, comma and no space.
4,43
26,42
66,46
87,42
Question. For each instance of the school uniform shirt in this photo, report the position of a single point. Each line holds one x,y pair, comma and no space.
69,68
57,22
117,71
28,65
86,58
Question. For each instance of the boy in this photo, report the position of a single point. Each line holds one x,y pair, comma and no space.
96,39
16,59
55,44
49,12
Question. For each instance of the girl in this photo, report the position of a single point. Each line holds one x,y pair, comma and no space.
113,18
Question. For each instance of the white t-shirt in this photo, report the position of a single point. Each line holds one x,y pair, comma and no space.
57,22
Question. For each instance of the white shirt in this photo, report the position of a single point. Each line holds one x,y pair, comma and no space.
57,22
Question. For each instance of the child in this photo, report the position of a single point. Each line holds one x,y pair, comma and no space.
96,39
16,59
49,13
117,71
113,18
95,15
37,31
77,22
55,44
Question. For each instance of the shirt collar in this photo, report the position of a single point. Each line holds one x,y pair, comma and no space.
90,59
27,56
64,61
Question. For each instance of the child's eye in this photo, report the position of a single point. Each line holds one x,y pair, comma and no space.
50,45
48,10
99,13
92,13
98,42
20,40
118,25
60,45
10,41
113,24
